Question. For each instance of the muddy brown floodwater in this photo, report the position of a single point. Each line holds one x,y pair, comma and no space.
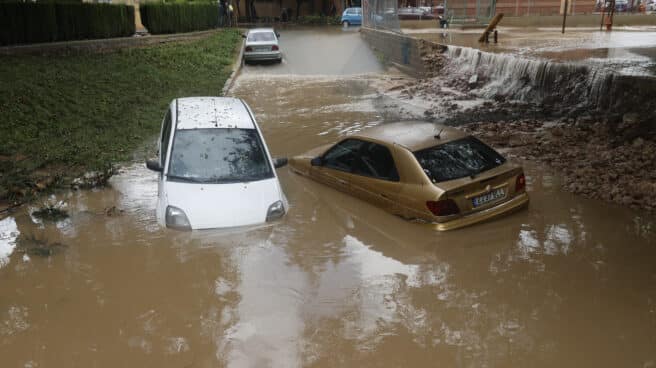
337,283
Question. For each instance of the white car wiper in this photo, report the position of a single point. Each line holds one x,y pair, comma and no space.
185,178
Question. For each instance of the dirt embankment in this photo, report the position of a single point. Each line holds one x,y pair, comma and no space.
598,157
599,154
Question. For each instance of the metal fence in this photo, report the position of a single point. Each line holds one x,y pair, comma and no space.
469,11
381,14
385,14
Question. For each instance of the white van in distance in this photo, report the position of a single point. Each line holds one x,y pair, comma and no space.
215,170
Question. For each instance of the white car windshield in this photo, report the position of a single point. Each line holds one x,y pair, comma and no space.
261,37
218,155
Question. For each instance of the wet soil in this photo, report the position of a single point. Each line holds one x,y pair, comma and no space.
568,282
593,160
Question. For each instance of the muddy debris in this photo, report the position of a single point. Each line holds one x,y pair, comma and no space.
432,57
113,211
51,213
594,160
93,179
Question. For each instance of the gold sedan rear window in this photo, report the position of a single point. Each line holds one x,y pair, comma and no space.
458,159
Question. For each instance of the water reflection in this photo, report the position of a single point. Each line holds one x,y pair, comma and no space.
8,234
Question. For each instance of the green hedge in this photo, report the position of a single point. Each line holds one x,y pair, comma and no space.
317,19
179,17
49,21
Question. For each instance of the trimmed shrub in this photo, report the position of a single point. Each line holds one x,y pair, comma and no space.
55,21
318,19
179,17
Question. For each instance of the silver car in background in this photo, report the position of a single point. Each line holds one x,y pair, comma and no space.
262,44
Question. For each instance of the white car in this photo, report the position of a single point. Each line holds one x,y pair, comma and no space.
215,168
651,6
262,44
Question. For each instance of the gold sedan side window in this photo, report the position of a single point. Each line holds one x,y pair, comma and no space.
362,158
376,161
343,155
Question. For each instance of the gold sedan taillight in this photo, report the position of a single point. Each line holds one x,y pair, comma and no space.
520,183
444,207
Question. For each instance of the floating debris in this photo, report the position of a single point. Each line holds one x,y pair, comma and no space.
113,211
51,212
93,179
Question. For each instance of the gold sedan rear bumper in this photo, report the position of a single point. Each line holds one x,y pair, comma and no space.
503,208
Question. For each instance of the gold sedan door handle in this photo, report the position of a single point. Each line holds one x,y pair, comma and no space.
342,182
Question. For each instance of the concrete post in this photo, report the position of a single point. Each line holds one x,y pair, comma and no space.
137,15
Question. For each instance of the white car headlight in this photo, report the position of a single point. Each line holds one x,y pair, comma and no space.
176,219
276,211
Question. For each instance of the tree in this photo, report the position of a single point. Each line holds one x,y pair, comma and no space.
298,7
250,10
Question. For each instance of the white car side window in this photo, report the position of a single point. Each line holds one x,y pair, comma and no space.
166,134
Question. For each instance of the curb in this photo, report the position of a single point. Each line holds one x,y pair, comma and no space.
102,44
236,68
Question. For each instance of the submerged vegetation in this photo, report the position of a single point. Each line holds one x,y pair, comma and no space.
51,212
33,246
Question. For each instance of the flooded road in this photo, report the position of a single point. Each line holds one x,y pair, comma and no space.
337,283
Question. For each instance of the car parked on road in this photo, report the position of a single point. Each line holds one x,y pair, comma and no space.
215,170
651,6
622,5
352,17
412,13
421,172
262,44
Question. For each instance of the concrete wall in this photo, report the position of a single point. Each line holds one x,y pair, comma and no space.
543,7
630,93
402,50
587,20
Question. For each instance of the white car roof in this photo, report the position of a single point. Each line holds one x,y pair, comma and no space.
256,30
212,112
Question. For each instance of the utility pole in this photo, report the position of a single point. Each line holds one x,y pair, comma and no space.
607,15
565,16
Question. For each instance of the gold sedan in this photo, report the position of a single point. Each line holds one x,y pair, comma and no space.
421,172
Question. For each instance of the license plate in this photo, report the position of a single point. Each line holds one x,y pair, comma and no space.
489,197
265,48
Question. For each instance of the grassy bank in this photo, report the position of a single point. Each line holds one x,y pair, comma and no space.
65,115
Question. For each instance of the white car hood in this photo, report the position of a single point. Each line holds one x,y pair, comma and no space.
209,206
